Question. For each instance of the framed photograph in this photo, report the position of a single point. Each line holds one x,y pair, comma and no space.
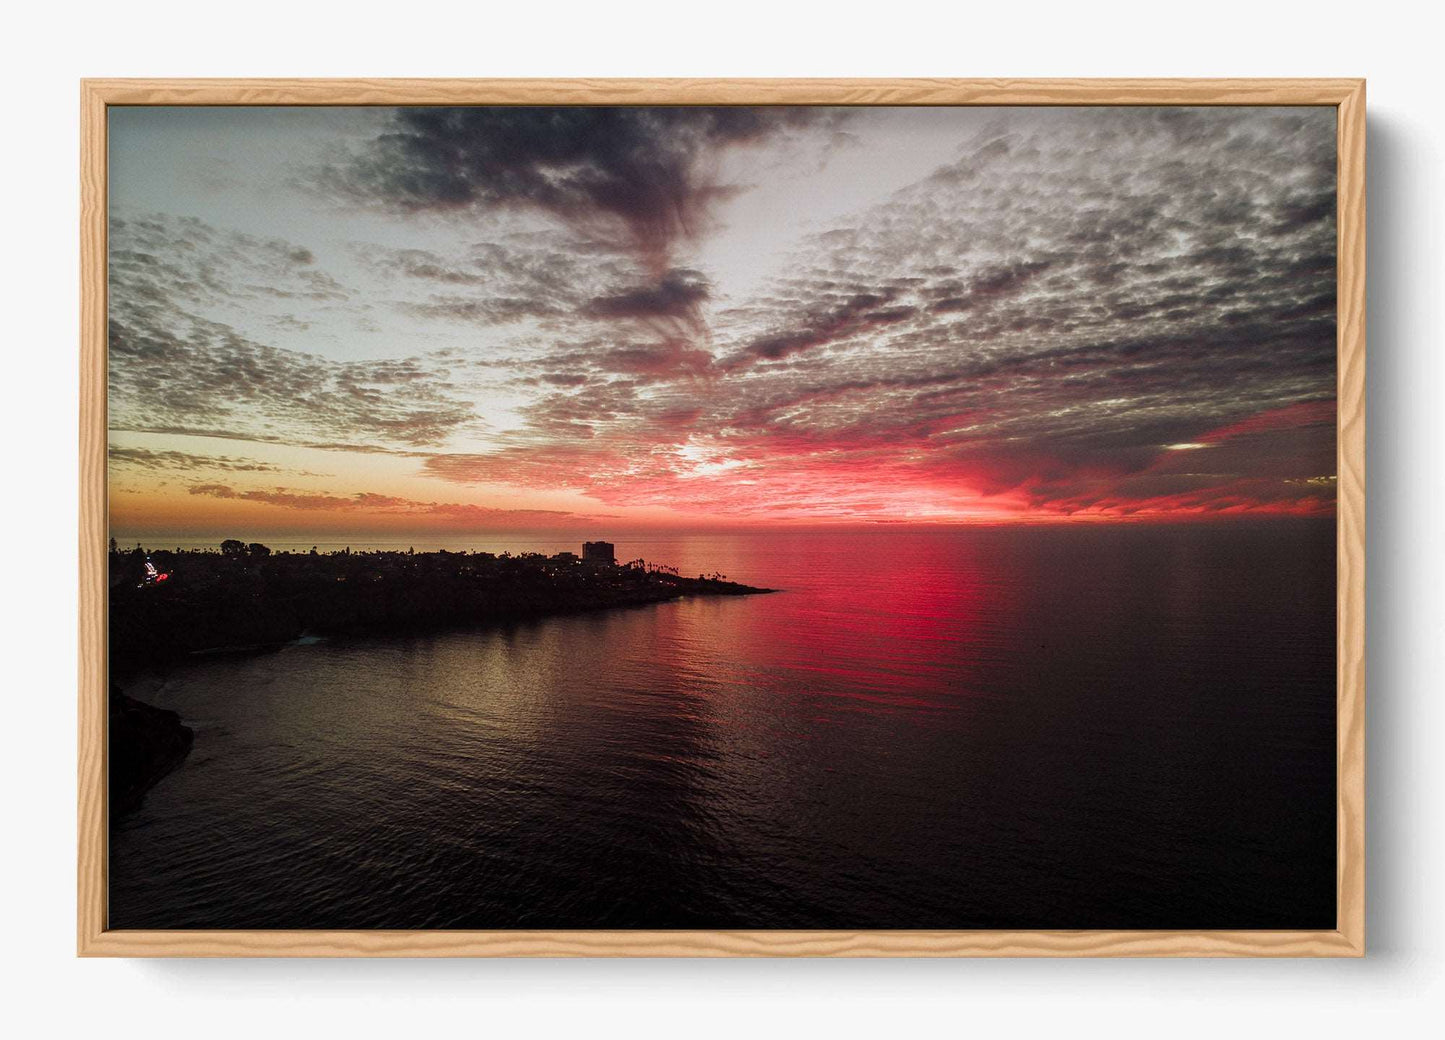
726,517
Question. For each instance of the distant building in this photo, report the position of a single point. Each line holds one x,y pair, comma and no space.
599,552
564,557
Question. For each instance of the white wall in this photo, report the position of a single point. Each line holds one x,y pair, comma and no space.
49,47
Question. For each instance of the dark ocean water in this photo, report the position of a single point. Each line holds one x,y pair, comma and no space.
1063,726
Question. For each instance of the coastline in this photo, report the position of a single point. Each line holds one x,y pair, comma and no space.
251,598
165,606
146,744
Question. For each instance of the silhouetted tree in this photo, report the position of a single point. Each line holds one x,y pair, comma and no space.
258,550
233,547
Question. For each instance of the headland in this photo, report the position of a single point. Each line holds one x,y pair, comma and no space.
169,603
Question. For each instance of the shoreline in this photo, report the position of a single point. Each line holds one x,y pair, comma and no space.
147,744
310,638
248,598
168,606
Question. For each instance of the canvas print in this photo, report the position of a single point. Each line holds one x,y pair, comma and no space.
722,517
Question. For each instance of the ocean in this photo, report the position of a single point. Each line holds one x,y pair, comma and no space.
1048,726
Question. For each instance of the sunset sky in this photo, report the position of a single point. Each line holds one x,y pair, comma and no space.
337,321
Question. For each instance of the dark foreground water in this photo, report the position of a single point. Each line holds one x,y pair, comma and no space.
1065,727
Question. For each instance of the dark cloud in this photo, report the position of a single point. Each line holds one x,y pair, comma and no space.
241,432
148,459
518,277
986,285
371,503
676,294
836,318
647,171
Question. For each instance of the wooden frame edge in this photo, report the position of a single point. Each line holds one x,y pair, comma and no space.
92,707
1347,940
638,943
918,91
1350,518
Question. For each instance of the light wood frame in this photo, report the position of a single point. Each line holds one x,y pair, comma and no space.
1348,937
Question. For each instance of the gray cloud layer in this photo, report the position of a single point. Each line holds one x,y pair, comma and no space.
1038,319
173,367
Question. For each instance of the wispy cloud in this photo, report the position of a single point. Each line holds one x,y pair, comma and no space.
173,366
373,504
148,459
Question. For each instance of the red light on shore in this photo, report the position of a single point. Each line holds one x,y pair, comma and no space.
162,577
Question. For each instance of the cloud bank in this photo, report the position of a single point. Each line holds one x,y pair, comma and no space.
1084,312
